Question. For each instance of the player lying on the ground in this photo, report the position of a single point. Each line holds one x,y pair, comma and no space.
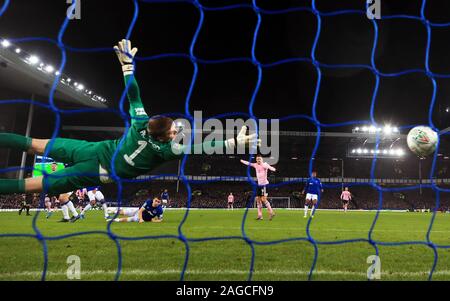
151,211
261,195
313,188
147,144
95,195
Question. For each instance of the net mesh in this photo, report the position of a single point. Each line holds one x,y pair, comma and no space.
253,59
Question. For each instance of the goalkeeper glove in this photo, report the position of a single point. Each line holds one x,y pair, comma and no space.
243,140
126,55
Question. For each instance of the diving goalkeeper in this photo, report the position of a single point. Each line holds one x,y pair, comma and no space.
147,144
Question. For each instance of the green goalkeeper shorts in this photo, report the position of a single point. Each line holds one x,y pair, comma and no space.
83,170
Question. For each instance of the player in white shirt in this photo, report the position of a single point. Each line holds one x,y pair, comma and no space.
48,205
66,206
64,201
95,195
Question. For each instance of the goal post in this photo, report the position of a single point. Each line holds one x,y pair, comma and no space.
278,202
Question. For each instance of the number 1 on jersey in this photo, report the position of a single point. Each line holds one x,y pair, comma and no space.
129,159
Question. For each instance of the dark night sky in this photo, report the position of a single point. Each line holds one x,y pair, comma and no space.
287,89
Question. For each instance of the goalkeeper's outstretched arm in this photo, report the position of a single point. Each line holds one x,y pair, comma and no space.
126,55
241,140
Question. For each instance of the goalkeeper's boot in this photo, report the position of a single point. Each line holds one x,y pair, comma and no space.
49,214
259,218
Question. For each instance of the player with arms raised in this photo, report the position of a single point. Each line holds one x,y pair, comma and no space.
313,188
147,144
262,168
151,211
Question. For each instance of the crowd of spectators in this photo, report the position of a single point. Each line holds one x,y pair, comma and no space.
408,168
14,201
214,195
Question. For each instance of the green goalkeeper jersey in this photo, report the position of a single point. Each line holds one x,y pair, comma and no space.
139,153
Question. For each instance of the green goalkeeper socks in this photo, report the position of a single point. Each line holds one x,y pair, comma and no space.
14,141
12,186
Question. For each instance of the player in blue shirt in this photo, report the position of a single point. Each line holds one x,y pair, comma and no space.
313,188
151,211
164,199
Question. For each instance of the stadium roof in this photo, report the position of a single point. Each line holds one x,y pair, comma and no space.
17,74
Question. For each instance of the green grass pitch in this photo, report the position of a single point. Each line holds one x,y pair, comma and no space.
163,259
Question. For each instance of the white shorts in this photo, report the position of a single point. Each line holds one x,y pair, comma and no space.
310,196
164,201
131,212
97,196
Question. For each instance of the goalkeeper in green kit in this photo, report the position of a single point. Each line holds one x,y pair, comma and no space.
147,144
